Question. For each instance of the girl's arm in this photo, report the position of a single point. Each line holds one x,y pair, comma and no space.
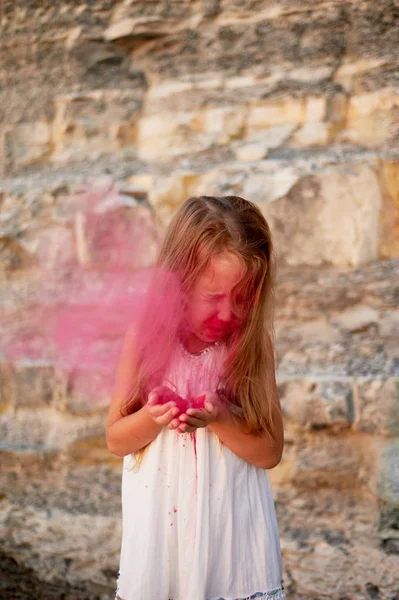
264,451
131,433
261,450
128,434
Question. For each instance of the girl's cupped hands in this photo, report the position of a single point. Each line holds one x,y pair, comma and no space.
162,414
194,418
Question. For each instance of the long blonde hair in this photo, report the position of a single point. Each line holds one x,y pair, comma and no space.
201,228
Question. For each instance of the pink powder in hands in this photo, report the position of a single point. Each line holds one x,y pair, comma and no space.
165,394
198,402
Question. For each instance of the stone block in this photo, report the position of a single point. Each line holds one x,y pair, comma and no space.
349,69
310,74
91,451
89,391
315,109
139,27
387,490
251,152
372,131
257,146
94,123
33,386
29,143
120,236
265,188
50,247
356,318
288,111
342,207
169,134
41,429
388,527
377,407
169,192
316,405
224,123
311,134
389,215
338,461
363,105
144,182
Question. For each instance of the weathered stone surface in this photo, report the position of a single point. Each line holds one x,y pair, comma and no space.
41,429
349,546
389,216
356,318
252,151
98,122
312,134
337,210
293,105
29,142
262,143
33,386
318,405
388,483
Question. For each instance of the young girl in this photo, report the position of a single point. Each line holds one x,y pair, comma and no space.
199,520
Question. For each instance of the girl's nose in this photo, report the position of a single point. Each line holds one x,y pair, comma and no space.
225,313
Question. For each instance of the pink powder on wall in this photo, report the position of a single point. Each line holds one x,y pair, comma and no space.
77,320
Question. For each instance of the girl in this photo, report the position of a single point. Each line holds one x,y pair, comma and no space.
199,520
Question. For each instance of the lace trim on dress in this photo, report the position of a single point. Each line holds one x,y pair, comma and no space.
276,594
201,352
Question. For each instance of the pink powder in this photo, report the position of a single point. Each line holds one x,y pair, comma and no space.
194,439
77,320
165,395
198,402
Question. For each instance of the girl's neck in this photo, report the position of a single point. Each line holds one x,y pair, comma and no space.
192,343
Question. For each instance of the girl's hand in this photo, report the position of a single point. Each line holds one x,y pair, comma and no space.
162,414
198,417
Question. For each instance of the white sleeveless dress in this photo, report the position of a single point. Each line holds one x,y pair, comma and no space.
198,522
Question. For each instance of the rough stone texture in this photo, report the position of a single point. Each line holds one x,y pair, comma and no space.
294,105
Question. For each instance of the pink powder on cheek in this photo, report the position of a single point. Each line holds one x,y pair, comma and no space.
227,327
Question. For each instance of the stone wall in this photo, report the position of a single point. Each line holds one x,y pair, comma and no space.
294,105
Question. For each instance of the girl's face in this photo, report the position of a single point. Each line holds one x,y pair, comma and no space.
209,312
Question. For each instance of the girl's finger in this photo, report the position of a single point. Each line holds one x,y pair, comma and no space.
168,416
152,398
174,424
210,407
197,413
185,428
193,412
158,410
192,422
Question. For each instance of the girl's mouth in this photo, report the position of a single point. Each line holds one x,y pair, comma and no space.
216,331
